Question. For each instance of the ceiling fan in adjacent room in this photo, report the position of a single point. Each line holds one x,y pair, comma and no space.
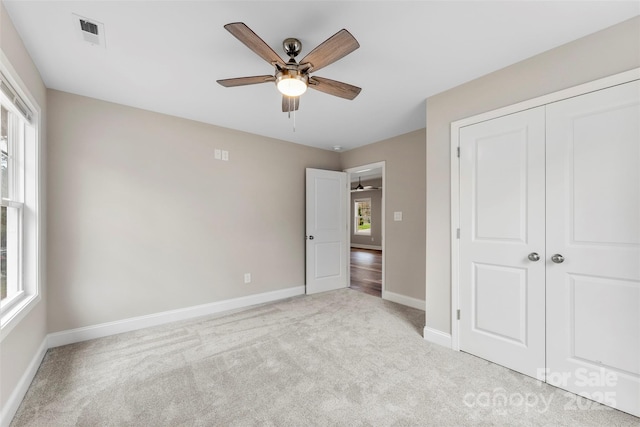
292,78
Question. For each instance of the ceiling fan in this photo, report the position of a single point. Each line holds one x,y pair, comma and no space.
359,187
292,78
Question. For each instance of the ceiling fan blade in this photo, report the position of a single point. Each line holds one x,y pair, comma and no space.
335,47
290,103
333,87
253,42
243,81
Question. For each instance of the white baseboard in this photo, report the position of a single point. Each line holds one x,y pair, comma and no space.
437,337
9,410
359,246
111,328
404,300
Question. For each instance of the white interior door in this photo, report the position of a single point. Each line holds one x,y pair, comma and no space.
326,234
593,222
502,223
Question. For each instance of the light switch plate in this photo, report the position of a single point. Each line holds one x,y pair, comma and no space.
225,155
397,216
217,154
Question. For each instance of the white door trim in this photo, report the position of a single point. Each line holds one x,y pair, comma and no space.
349,171
582,89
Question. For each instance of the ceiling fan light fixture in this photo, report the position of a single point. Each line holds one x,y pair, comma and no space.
292,78
291,83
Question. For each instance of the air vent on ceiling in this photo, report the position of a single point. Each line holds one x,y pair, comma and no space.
89,27
89,30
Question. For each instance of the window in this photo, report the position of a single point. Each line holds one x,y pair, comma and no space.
18,204
362,211
11,142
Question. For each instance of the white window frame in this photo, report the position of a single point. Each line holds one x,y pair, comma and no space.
27,179
14,201
357,232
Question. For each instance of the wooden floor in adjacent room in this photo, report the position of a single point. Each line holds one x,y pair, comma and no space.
366,271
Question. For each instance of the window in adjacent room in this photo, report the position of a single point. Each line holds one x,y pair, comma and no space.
362,210
18,203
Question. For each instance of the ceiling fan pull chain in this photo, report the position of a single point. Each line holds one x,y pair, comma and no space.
294,120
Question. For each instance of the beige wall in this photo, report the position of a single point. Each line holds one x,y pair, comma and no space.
404,189
19,347
601,54
375,239
142,219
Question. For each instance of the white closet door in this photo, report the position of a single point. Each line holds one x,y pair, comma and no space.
502,222
593,222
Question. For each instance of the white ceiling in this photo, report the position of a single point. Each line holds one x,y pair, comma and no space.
166,56
366,174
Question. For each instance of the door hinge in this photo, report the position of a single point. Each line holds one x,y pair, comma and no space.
458,314
457,233
458,150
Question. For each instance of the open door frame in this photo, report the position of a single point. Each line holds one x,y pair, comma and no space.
350,171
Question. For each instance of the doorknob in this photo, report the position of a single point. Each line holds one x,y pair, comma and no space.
310,237
533,256
557,258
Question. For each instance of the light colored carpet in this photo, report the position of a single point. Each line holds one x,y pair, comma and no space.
340,358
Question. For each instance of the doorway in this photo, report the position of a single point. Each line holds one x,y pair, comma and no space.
366,228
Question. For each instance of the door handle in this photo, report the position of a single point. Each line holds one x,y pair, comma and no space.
310,237
557,258
533,256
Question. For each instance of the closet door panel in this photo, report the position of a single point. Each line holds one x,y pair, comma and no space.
593,222
502,222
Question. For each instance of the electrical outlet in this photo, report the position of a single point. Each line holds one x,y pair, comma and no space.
217,154
397,216
247,277
225,155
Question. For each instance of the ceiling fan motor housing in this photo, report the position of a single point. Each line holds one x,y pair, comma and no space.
292,74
